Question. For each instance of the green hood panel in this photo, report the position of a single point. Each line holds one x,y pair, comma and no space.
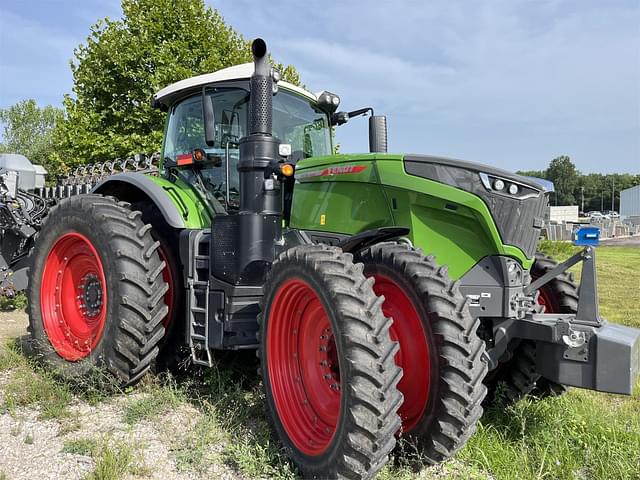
352,193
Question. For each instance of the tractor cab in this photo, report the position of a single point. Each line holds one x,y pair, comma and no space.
298,121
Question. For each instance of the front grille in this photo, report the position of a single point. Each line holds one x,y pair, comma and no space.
518,221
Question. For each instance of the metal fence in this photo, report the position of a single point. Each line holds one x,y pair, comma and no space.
608,229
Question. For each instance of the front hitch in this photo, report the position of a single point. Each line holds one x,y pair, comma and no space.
581,350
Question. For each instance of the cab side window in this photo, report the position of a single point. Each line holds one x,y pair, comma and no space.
185,133
186,129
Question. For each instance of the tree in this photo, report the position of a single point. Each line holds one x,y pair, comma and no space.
562,172
28,130
124,62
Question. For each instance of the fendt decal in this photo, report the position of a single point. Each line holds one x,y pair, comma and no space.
333,171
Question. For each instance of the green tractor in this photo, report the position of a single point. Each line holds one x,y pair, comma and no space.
385,294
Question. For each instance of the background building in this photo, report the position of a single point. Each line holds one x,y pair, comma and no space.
630,202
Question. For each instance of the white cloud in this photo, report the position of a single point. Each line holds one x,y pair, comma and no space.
478,79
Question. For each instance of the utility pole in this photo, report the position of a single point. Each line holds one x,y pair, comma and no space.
582,202
601,200
613,195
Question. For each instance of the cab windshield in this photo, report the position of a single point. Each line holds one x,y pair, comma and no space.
296,121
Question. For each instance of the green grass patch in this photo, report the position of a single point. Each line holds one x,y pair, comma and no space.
233,428
7,304
558,250
159,396
579,435
112,461
618,279
583,434
32,386
81,446
195,452
11,356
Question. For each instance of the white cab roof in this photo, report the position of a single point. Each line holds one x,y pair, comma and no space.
237,72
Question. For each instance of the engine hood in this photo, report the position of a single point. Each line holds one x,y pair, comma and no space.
419,163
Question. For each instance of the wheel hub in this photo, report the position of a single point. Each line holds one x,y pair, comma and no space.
90,295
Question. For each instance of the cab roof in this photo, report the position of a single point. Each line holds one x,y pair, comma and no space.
169,94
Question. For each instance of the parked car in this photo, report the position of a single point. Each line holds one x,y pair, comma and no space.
612,214
595,215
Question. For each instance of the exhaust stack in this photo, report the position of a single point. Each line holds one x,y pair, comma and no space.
257,227
260,109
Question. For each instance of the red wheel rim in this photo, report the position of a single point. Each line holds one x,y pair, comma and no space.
546,299
167,276
73,297
413,357
303,368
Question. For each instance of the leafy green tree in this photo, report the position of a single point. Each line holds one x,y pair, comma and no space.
532,173
562,172
125,61
29,130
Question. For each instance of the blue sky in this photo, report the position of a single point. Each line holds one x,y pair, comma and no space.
511,83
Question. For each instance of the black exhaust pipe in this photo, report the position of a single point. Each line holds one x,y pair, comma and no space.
250,237
260,109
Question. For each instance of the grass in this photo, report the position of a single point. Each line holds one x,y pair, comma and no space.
81,446
582,435
231,401
114,459
159,396
7,304
32,386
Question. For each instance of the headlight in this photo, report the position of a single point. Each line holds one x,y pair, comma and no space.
507,187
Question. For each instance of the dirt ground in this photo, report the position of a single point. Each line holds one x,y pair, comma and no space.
33,448
12,325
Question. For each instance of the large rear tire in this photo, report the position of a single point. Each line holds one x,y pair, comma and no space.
327,364
96,293
517,376
173,352
440,352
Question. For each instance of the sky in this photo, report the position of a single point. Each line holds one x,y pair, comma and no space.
510,83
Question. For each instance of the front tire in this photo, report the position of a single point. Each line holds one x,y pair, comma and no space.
327,364
96,290
440,351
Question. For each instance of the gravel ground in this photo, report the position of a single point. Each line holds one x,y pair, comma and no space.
32,448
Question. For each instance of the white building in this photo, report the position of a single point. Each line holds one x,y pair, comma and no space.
630,202
564,213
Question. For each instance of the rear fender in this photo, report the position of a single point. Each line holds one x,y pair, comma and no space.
176,201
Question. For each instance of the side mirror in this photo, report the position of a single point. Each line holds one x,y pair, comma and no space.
378,134
209,119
